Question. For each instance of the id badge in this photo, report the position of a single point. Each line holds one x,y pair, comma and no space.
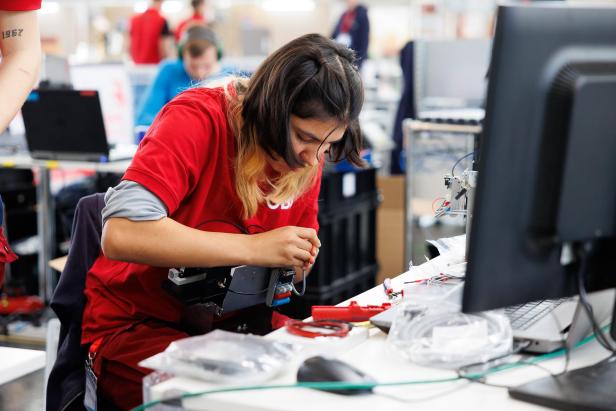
344,39
89,400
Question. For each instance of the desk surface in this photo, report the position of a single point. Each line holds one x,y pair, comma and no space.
23,160
378,360
17,362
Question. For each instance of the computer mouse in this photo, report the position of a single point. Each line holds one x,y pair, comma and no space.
321,369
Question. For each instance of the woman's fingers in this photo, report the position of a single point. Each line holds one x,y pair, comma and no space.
309,234
302,255
304,245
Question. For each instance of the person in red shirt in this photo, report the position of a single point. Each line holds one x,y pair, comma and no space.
149,35
237,171
197,18
20,59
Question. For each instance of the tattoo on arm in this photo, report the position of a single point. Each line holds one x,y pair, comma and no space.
11,33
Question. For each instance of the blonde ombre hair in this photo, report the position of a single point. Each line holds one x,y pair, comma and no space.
309,77
252,184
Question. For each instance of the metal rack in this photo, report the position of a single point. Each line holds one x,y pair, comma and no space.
456,136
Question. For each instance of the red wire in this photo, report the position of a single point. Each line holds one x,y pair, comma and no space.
330,328
435,200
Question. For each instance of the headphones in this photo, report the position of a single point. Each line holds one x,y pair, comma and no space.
199,32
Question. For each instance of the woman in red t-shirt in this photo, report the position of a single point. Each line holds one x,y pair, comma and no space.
20,58
237,172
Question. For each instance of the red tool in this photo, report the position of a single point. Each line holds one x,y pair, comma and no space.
351,313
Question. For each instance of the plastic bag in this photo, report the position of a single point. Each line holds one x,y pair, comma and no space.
224,357
442,337
454,248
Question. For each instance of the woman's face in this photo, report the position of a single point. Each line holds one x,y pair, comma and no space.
310,139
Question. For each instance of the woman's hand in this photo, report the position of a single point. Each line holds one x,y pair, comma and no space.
285,247
304,270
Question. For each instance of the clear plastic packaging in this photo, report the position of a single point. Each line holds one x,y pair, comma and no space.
454,248
441,336
224,357
325,345
431,293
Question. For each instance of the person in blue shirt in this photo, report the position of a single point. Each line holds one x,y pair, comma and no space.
199,54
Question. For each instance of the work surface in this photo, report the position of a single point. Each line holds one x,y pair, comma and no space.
17,362
23,160
375,357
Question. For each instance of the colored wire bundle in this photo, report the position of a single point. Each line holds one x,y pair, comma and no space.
313,329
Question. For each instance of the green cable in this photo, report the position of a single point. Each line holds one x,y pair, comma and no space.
539,358
315,385
350,386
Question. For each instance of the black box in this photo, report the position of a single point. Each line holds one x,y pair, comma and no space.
347,227
348,242
346,265
341,190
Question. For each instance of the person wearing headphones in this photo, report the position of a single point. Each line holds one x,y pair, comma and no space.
199,52
20,59
225,176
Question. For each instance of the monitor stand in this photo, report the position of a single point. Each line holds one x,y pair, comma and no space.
585,389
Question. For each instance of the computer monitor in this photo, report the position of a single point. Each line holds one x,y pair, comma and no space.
65,125
450,74
547,160
55,73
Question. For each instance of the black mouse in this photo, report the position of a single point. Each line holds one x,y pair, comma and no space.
321,369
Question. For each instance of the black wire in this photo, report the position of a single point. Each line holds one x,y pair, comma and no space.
601,338
563,342
243,293
459,160
481,378
500,357
297,293
484,374
567,361
417,400
596,329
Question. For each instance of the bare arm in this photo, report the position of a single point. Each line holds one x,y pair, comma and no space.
167,243
166,43
167,47
20,47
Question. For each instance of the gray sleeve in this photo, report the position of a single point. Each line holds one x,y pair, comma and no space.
133,201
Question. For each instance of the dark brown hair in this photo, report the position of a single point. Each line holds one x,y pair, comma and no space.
197,47
310,77
196,3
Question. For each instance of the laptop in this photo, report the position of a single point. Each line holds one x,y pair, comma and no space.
542,323
68,125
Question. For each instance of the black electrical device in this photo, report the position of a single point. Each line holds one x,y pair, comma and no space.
231,288
198,285
280,287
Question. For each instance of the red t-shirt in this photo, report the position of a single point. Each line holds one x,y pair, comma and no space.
187,161
20,5
189,22
146,30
